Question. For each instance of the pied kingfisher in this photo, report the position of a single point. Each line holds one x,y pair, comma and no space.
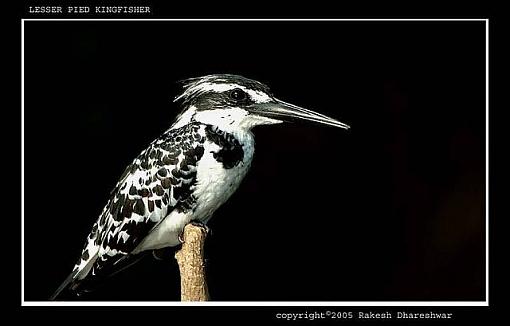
184,175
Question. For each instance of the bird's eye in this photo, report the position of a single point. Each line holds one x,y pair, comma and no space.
238,95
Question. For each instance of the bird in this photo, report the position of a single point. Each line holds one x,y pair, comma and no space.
184,175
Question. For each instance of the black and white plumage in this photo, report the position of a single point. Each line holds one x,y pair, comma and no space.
184,175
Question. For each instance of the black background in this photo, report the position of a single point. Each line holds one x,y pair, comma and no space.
392,209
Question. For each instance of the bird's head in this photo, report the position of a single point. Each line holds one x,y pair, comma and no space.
234,102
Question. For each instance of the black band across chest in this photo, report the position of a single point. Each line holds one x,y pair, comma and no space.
231,151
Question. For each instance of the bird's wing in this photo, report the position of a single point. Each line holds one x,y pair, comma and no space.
160,180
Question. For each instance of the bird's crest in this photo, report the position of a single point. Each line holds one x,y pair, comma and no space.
197,85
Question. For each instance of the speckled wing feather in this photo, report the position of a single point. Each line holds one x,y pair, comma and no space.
160,180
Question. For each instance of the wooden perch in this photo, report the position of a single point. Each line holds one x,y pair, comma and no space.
192,265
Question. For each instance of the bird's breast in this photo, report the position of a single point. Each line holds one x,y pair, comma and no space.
221,169
223,164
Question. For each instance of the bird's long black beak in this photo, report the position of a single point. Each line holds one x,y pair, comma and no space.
284,111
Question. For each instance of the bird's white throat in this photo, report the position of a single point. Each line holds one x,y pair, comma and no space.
232,120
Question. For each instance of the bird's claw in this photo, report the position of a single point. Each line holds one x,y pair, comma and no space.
201,225
158,254
198,224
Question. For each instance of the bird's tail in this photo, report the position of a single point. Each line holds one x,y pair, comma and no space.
74,281
69,285
80,281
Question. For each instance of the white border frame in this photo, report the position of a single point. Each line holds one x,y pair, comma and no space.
257,303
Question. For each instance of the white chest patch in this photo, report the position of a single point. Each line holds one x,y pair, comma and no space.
215,184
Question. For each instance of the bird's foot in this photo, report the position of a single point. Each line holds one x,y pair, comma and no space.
201,225
195,223
159,254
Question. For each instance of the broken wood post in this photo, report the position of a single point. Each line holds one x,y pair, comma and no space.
190,259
